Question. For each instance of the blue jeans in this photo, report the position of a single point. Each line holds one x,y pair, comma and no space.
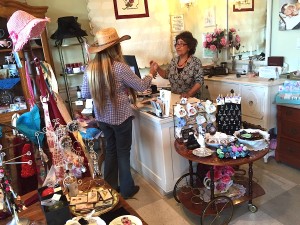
117,159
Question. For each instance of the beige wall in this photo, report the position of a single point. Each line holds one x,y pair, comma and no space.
193,22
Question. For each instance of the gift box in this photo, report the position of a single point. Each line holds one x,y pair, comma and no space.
59,212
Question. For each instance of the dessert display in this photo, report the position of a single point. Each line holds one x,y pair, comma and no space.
218,139
253,139
248,135
126,220
98,198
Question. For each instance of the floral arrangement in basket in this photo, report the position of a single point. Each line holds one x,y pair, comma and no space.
234,40
215,41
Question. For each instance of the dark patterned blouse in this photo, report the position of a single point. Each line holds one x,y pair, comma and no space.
183,80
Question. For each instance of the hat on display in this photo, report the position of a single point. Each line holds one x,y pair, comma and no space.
106,37
22,27
68,27
29,123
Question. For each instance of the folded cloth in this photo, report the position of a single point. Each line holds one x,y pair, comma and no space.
90,133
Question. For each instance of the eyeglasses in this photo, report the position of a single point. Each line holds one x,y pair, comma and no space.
179,44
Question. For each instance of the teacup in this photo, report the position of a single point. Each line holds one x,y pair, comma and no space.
191,109
5,43
220,186
179,111
10,60
71,183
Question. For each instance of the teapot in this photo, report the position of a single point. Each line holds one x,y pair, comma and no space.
220,185
5,43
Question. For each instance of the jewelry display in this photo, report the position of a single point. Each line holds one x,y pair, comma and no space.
229,117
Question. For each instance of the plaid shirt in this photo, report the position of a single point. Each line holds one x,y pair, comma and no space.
125,78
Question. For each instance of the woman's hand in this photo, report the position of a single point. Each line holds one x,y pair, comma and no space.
185,95
153,68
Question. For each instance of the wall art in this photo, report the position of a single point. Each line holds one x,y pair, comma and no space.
289,15
243,5
127,9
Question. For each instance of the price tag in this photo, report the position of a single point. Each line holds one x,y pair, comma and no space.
78,102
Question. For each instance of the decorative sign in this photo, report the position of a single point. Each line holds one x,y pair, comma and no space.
177,23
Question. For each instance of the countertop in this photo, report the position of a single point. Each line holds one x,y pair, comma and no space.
244,79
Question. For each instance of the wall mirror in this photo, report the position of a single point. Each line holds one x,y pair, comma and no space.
252,20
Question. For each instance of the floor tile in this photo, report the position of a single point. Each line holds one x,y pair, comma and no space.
284,207
277,207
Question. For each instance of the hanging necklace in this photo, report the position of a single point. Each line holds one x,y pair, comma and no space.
181,65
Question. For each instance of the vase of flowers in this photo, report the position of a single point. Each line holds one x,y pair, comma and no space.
215,42
234,40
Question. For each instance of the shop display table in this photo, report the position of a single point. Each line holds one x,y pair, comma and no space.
204,208
35,213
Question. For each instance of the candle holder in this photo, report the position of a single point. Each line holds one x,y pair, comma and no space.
233,64
250,64
240,56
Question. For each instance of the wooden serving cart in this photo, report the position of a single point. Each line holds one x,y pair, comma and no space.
219,209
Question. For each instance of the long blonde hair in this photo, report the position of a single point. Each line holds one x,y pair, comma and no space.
101,76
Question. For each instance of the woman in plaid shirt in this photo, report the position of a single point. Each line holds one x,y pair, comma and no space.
108,80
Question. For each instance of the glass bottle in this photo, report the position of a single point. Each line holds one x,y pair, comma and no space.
78,92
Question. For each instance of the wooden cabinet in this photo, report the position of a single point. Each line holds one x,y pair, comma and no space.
38,47
288,135
258,96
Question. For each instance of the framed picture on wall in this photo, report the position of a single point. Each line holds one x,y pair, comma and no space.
209,17
177,23
126,9
243,5
289,15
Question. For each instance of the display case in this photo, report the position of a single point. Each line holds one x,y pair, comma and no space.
13,84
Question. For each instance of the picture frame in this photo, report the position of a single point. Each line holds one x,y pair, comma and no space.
243,5
126,9
210,17
289,17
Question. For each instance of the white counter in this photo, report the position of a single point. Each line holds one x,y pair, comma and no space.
153,154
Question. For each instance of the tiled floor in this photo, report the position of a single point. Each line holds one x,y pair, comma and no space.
279,206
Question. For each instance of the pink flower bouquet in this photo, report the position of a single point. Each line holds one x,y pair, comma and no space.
215,41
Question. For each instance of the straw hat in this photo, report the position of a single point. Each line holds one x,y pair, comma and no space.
22,27
106,38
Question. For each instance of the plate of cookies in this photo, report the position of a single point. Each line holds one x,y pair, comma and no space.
100,199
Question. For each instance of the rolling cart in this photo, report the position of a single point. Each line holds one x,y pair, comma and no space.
219,208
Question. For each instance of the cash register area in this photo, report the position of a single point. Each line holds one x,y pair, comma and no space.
279,205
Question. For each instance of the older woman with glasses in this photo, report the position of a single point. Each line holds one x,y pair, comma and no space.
185,71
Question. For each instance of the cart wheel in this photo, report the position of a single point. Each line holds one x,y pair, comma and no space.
184,185
218,211
252,208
